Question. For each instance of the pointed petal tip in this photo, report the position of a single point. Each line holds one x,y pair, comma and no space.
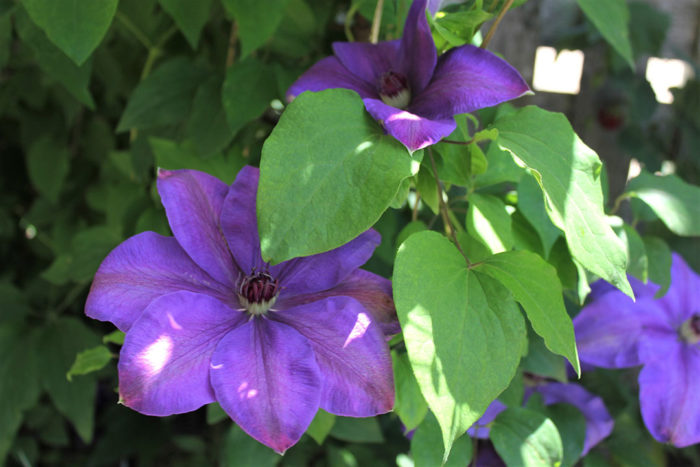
162,173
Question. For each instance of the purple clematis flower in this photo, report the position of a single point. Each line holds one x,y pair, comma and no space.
662,335
206,320
599,423
407,88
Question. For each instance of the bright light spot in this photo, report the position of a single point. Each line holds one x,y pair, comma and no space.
403,115
156,355
363,146
174,324
558,73
361,325
245,393
30,232
635,169
667,168
666,73
277,104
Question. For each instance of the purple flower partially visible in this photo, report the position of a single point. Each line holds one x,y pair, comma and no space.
406,87
206,320
662,335
599,424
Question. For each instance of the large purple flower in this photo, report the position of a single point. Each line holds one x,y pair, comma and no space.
662,335
207,320
406,87
599,423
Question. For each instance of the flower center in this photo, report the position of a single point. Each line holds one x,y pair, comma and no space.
690,330
394,90
258,292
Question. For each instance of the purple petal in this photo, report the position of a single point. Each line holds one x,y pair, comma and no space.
481,428
418,50
607,331
239,222
372,291
368,62
329,73
193,202
164,363
599,424
668,392
640,289
351,353
266,378
468,78
682,298
414,131
325,270
142,268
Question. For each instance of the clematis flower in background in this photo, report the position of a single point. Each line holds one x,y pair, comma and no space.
406,87
599,423
206,320
663,336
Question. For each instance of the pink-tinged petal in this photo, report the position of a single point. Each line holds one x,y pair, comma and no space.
599,423
468,78
142,268
418,50
164,363
414,131
193,202
325,270
266,378
668,391
368,62
329,73
683,296
607,331
351,352
239,222
481,428
372,291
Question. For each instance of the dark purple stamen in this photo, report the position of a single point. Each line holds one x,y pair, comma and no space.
258,292
690,330
394,90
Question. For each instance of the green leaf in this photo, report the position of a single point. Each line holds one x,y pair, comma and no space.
426,446
638,265
542,362
611,17
408,230
189,16
571,425
535,285
5,39
75,26
673,200
243,451
309,199
248,89
489,221
60,342
458,28
526,438
659,256
89,360
19,381
164,97
426,186
462,330
207,127
172,156
48,164
568,172
321,426
114,337
500,169
53,62
257,20
357,430
410,404
215,413
531,206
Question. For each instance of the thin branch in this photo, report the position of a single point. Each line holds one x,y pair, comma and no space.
444,210
461,143
495,24
414,214
376,22
232,39
133,29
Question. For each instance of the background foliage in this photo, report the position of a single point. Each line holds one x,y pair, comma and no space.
95,94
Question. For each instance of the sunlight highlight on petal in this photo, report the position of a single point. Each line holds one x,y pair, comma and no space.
359,329
156,355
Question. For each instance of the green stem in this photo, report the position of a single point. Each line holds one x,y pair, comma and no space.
376,22
495,24
348,21
133,29
444,210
